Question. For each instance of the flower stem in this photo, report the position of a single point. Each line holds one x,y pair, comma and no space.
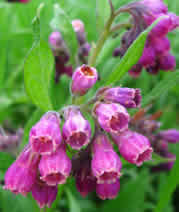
101,41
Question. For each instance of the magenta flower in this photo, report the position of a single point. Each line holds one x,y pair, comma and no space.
83,79
56,40
171,135
134,147
45,136
21,175
106,165
113,118
128,97
44,194
76,129
108,191
55,168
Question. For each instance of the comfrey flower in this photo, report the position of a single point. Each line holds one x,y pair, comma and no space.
76,129
128,97
45,136
134,147
107,191
106,164
21,175
113,118
55,168
44,194
83,79
171,135
156,55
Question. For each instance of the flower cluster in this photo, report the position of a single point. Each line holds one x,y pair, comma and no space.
44,163
156,55
61,52
148,126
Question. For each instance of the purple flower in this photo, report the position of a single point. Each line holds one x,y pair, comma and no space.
45,136
85,181
76,129
167,62
113,118
83,79
107,191
44,194
134,147
128,97
21,175
106,165
55,168
171,135
56,40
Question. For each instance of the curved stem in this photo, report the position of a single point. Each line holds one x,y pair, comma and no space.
119,26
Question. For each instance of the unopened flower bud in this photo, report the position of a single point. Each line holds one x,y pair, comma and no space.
128,97
171,135
83,79
56,40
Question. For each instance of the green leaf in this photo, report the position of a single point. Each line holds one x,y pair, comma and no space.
170,80
131,57
62,23
73,203
102,13
38,74
169,187
33,119
131,196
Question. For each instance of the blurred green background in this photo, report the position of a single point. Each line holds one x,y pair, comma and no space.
140,190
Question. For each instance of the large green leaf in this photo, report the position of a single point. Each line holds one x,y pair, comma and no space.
38,70
62,23
131,196
131,57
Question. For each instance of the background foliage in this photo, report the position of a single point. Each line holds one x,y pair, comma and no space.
140,190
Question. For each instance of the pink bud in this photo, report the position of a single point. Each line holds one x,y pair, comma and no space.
56,40
134,147
83,79
171,135
55,168
106,165
45,136
113,118
78,26
107,191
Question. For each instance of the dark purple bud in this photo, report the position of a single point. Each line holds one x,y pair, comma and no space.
136,71
167,62
171,135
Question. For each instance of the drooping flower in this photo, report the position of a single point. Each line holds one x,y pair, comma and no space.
106,164
45,136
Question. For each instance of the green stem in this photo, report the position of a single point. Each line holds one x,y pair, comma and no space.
119,26
101,41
